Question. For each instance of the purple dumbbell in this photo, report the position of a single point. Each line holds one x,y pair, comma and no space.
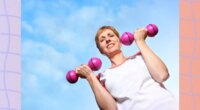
94,64
127,38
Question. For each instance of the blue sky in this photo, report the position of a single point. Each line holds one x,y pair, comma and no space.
58,35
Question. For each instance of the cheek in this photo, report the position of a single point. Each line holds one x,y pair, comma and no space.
101,46
118,42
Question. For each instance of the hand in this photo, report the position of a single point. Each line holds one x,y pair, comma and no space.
140,34
83,71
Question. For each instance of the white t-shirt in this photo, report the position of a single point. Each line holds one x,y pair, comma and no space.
134,89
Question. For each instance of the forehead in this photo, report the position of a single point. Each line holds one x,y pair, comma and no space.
106,32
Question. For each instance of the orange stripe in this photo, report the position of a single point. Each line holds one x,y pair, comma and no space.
189,55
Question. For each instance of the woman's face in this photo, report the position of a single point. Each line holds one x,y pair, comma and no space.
109,43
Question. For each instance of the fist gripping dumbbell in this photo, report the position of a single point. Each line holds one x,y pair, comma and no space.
127,38
94,64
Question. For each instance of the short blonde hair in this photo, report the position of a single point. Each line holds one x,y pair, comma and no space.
102,29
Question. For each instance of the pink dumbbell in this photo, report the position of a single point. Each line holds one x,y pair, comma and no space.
94,64
127,38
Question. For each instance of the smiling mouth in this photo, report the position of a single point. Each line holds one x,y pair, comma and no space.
110,45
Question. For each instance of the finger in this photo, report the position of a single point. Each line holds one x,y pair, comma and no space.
77,69
86,66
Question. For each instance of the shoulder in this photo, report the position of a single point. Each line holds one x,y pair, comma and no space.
135,55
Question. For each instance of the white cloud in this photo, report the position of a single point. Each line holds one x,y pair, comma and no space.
27,27
30,81
44,60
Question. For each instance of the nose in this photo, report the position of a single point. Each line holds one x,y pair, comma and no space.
107,40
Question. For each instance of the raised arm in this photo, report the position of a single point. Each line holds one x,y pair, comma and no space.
155,65
104,100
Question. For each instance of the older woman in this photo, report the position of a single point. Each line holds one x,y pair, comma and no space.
131,83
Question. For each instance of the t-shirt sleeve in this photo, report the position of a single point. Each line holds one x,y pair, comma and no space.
101,79
98,76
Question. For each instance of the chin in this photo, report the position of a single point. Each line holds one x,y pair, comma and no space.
114,52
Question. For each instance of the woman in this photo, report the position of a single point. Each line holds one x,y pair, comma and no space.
131,83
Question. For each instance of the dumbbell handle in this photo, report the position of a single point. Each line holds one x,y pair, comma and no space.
94,64
127,38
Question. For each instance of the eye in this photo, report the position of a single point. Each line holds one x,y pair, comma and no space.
111,35
102,40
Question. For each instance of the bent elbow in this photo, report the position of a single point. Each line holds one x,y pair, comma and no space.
163,77
110,106
114,108
166,76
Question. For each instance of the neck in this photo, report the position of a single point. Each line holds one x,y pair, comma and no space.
117,59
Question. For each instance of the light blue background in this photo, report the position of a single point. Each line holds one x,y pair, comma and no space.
58,35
